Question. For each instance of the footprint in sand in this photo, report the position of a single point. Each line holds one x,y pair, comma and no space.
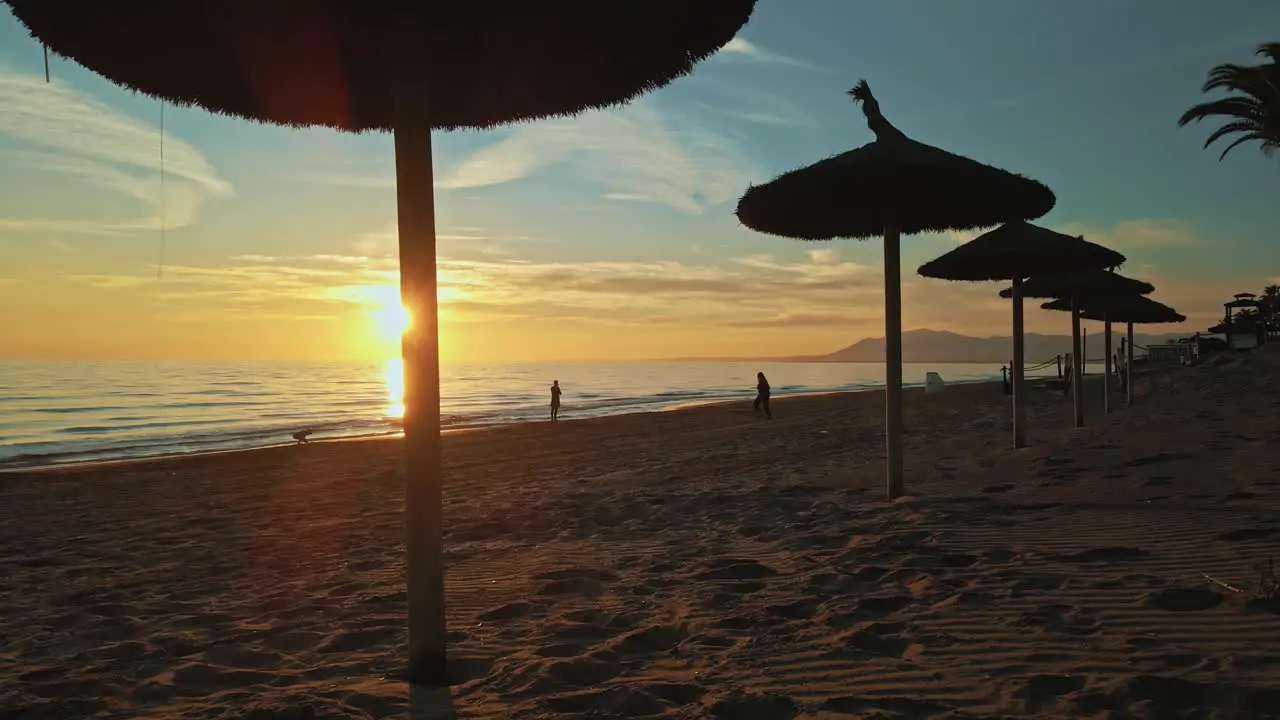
582,671
1240,495
1039,691
1169,693
883,604
736,575
803,609
1117,553
966,598
510,611
574,581
877,707
821,541
1246,534
863,573
880,639
1064,619
757,707
941,561
652,640
867,608
357,640
1157,458
1183,599
618,701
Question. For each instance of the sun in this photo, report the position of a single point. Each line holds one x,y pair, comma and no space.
391,319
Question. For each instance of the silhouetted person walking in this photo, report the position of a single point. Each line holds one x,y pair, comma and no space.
555,399
762,396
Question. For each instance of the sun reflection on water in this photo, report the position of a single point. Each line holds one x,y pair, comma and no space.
393,377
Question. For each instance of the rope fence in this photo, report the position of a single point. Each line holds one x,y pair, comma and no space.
1061,375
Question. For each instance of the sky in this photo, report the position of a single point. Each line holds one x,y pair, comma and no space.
611,235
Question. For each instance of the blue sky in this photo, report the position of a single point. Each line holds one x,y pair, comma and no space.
612,234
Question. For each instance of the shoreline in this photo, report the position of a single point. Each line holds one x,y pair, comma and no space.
45,467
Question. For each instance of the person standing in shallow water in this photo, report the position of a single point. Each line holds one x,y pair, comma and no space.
762,396
555,399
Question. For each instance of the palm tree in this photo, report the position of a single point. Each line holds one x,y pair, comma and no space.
1252,110
1270,304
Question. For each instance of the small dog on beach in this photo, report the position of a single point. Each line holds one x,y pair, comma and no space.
302,436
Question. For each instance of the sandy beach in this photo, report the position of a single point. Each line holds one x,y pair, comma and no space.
698,563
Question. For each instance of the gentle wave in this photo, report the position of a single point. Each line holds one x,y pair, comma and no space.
88,412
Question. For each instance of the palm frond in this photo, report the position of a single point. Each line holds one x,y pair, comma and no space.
1270,50
1251,110
1247,137
1235,107
1239,126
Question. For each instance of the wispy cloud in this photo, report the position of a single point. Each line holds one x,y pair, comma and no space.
1137,234
758,288
72,134
821,291
350,180
747,102
636,153
742,50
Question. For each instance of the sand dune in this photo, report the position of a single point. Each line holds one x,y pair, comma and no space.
690,564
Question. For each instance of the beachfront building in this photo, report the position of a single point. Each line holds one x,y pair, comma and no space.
1242,323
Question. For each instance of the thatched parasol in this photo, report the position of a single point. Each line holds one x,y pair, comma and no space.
1015,251
1078,287
409,67
1128,309
892,186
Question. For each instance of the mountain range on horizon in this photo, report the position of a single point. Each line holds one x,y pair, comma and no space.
942,346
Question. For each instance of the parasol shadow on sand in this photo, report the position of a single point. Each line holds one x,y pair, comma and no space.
1078,288
1015,251
411,68
1128,309
890,187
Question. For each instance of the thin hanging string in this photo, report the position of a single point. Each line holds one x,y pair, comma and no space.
46,63
163,219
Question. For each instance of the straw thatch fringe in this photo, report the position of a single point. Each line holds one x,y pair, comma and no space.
331,63
1121,308
1081,285
1019,250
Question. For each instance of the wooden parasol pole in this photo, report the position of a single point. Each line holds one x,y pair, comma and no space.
1106,375
893,359
1016,371
1077,365
1128,366
415,198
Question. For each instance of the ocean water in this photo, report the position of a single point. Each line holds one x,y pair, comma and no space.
65,412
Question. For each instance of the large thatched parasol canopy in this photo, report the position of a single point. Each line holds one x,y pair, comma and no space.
1081,285
892,186
892,182
409,67
1019,249
333,62
1014,251
1120,308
